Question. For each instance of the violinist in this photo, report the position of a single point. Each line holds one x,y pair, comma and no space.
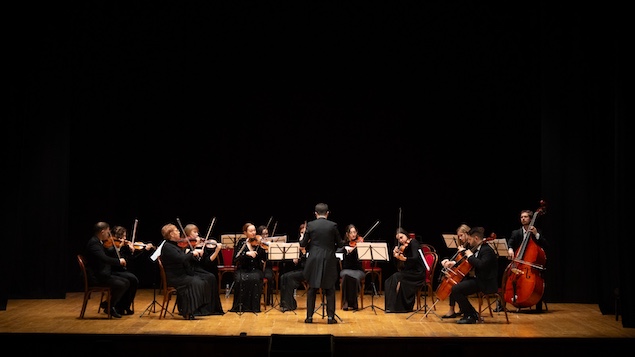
99,266
263,232
193,292
484,262
121,247
249,259
206,260
352,271
462,236
402,286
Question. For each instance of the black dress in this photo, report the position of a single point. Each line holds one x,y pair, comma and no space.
194,293
401,287
248,280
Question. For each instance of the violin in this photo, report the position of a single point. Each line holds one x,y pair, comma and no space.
263,244
353,243
116,242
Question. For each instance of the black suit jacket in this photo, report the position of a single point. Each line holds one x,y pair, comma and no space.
322,238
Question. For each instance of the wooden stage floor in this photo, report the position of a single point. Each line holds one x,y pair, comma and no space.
53,325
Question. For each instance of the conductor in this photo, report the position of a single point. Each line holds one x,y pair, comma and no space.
321,239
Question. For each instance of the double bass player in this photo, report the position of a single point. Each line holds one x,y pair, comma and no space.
517,236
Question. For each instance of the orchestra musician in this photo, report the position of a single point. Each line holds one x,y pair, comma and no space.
293,277
263,232
462,236
249,259
99,266
200,267
484,262
352,271
402,286
193,293
516,238
126,251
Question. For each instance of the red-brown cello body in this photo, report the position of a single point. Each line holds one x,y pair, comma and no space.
452,276
523,283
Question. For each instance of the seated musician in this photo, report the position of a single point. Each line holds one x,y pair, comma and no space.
292,278
249,259
461,234
485,265
401,287
352,271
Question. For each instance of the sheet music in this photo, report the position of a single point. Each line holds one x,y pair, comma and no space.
372,251
157,253
230,239
283,251
500,246
451,240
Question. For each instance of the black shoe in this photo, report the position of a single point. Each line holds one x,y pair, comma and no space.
114,313
332,321
308,320
104,305
128,312
467,319
450,316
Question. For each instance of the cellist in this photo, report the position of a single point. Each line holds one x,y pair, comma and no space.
485,265
461,236
516,238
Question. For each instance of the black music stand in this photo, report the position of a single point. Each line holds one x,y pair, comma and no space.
152,307
372,251
281,252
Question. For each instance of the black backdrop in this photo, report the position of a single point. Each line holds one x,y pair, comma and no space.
429,113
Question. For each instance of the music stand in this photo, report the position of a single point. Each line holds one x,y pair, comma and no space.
275,239
230,239
451,240
152,307
500,247
372,251
280,252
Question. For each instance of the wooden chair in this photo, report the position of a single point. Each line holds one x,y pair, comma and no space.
491,299
428,248
167,291
426,290
88,289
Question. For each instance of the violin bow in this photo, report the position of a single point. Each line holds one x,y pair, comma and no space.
134,230
370,229
210,228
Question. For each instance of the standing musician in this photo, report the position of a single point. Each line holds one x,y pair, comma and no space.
352,271
485,265
517,236
402,286
462,235
248,280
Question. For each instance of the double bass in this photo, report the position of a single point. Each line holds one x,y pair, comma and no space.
523,283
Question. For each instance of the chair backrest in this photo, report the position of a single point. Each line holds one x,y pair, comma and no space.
427,248
228,256
432,258
82,268
164,279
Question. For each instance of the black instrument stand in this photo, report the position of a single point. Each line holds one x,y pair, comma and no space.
368,251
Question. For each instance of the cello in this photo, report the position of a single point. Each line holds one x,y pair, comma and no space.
523,283
455,274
